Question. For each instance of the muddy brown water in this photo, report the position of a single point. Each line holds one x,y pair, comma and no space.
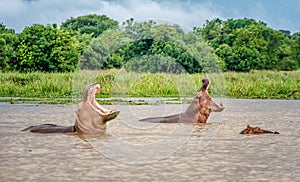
139,151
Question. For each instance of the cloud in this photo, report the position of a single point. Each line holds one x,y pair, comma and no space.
18,13
177,12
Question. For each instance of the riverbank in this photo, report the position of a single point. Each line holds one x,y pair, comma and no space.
63,87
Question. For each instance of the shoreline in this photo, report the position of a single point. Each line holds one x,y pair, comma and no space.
118,100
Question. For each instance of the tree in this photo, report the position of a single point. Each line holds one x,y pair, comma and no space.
46,48
245,44
90,24
100,54
151,42
288,54
250,46
225,53
296,48
8,43
154,64
211,32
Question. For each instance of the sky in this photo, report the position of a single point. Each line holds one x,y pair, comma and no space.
277,14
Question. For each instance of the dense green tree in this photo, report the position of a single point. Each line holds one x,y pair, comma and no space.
90,24
138,30
245,44
88,27
296,48
150,41
232,44
226,53
95,55
211,32
286,32
154,64
47,48
250,47
289,53
84,40
100,54
8,43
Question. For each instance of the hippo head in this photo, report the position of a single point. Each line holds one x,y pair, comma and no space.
91,117
255,130
205,103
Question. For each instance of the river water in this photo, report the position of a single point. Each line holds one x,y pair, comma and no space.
138,151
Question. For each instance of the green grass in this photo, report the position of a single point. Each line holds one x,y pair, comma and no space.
115,83
263,85
48,85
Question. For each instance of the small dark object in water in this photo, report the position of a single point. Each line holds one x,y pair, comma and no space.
256,130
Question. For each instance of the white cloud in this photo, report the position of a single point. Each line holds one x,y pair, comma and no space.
174,12
18,14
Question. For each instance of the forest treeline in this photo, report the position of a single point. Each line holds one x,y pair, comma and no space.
99,42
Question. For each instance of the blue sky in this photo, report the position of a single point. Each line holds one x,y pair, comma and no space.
278,14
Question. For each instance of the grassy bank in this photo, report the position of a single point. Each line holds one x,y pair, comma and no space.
256,84
263,85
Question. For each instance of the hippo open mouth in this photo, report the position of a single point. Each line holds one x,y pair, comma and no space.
90,117
197,112
91,98
94,104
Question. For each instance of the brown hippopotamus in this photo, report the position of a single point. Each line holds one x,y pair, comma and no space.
255,130
90,117
197,112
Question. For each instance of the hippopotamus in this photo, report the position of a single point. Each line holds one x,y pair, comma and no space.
197,112
255,130
90,117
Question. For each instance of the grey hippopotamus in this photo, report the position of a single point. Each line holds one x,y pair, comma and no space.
197,112
256,130
90,117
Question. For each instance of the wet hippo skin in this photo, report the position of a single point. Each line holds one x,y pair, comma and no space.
256,130
197,112
90,117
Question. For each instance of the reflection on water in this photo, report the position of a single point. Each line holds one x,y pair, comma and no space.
134,150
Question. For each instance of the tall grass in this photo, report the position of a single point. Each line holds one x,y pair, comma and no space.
264,85
49,85
115,83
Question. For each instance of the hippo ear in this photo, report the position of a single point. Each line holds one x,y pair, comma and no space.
248,127
198,94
